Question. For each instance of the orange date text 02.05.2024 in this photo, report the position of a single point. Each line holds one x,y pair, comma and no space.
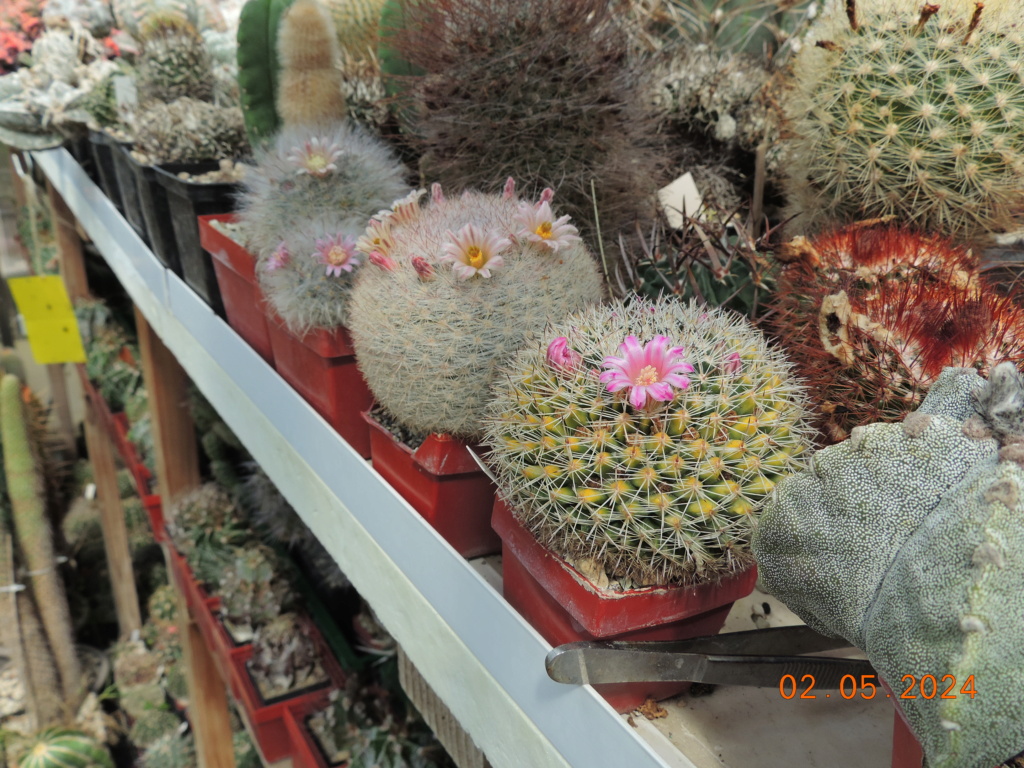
866,687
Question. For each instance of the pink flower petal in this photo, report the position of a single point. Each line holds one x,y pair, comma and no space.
638,397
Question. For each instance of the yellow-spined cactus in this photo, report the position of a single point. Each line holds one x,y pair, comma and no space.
310,85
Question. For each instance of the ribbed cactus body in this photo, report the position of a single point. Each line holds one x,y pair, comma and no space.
174,60
906,541
253,589
64,748
429,342
309,89
911,116
25,488
258,66
356,23
667,493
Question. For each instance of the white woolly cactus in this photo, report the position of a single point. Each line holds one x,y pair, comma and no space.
652,464
453,290
315,185
906,540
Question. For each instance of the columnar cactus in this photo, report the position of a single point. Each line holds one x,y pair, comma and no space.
174,61
871,316
304,203
258,67
309,89
652,474
453,289
897,112
906,541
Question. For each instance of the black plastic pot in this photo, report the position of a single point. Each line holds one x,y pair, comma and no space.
156,212
81,150
126,181
103,156
188,200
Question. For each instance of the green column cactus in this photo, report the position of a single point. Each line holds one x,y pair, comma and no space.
35,538
906,540
258,66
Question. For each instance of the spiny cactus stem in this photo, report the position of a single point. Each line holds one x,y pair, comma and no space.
975,20
927,11
851,14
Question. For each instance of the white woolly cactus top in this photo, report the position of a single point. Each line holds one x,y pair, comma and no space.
644,438
455,288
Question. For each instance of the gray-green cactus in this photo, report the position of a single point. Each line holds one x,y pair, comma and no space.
254,588
284,657
906,540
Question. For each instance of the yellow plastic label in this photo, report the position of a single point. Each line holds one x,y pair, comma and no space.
49,319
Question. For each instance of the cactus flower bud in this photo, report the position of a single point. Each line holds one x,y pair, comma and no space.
561,357
384,262
733,363
422,267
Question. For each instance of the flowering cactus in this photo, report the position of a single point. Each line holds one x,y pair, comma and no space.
309,195
452,290
653,462
906,541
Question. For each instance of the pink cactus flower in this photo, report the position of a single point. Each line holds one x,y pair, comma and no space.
648,371
384,262
405,210
562,358
733,363
316,158
337,253
474,252
377,237
422,267
278,258
540,226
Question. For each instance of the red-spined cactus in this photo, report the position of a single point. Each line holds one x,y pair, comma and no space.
871,315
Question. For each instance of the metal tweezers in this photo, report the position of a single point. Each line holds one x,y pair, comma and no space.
761,657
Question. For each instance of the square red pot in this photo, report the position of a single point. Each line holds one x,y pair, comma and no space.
268,720
306,752
155,512
442,482
565,606
321,366
235,269
130,456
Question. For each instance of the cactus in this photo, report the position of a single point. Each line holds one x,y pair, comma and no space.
546,90
139,699
25,488
313,184
151,725
871,316
135,664
453,290
898,113
356,22
905,540
171,751
205,526
174,61
162,606
258,67
254,589
189,131
309,92
662,488
246,754
284,657
130,15
63,748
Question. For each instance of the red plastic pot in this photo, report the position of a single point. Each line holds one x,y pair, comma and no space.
130,456
235,269
155,512
565,606
321,366
306,751
268,719
442,482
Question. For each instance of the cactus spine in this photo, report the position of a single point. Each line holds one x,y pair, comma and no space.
35,539
258,66
174,61
309,92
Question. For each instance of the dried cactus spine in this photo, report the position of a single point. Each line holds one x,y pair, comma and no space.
309,90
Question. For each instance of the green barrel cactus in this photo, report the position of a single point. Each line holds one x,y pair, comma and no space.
63,748
452,290
659,481
906,541
258,67
898,113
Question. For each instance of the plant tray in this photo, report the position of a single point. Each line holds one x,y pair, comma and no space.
321,366
127,182
130,456
235,269
565,606
103,158
442,482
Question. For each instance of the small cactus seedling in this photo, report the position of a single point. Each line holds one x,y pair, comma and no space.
453,288
906,541
653,465
284,657
254,589
913,111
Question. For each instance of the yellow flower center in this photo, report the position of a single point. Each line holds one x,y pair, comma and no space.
337,255
475,256
316,162
543,230
648,375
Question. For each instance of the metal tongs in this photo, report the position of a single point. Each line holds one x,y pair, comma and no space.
761,657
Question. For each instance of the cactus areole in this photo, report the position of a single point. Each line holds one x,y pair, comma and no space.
907,541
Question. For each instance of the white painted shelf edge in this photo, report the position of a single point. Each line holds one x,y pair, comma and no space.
478,654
